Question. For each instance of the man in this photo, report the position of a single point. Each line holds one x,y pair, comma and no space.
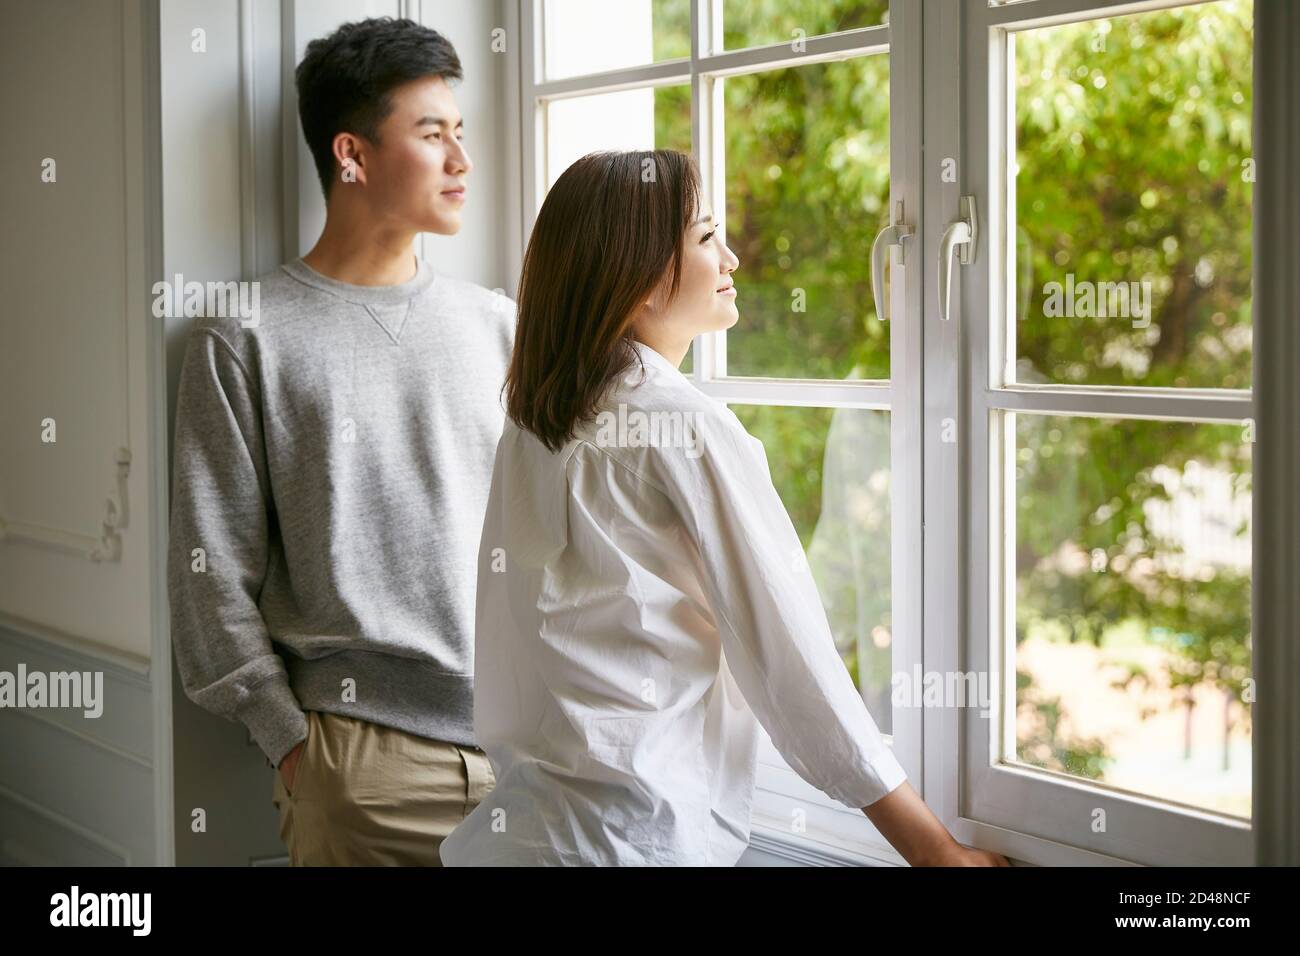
332,463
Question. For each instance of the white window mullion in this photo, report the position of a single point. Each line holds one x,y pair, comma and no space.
611,81
872,395
820,49
1041,13
709,144
952,354
1202,405
908,422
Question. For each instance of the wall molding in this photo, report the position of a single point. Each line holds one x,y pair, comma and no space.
120,753
58,765
46,639
107,546
25,854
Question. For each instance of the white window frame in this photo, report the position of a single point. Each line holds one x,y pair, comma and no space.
942,497
1021,811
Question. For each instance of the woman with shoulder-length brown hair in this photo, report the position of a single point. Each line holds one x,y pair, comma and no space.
641,605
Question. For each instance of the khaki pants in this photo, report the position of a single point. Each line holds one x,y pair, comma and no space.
369,795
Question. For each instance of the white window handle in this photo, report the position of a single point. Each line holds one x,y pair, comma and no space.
961,232
892,235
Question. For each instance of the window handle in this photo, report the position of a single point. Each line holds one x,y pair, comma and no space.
961,235
891,235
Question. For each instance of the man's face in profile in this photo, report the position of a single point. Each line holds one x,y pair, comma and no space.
415,175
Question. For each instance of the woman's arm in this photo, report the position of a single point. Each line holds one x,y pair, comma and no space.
777,641
916,833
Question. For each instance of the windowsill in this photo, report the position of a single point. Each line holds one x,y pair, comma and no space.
831,834
815,847
793,820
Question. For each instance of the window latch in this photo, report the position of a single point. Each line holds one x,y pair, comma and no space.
891,235
960,235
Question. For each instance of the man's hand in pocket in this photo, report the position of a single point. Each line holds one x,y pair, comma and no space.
289,765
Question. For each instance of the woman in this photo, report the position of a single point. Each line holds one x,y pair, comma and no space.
642,604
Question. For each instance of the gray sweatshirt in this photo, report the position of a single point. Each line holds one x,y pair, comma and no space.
331,472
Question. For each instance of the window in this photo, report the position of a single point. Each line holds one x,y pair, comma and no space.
1043,489
1111,426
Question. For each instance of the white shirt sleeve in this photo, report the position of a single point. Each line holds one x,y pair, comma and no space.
773,627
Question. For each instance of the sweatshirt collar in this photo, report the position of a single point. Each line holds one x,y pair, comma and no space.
364,294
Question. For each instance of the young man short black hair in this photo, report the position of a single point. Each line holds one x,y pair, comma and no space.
332,464
345,80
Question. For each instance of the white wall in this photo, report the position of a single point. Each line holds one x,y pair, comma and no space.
79,532
74,327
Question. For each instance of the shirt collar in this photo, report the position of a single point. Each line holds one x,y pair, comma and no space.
650,357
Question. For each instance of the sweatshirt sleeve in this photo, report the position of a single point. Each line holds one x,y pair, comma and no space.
221,515
773,627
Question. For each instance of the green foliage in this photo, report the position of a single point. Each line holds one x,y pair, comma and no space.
807,190
761,22
1131,136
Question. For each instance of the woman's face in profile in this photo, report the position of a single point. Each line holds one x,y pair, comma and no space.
706,297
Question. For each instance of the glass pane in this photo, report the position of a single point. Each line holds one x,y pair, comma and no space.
643,118
592,36
831,468
761,22
1133,199
807,190
1132,605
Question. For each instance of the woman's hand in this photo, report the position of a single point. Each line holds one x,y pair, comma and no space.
966,856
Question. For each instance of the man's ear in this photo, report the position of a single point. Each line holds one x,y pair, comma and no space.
350,157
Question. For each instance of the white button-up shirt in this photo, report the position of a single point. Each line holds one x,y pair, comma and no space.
643,606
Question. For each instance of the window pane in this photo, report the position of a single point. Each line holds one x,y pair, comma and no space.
643,118
831,468
591,36
807,154
1132,605
1133,199
750,23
